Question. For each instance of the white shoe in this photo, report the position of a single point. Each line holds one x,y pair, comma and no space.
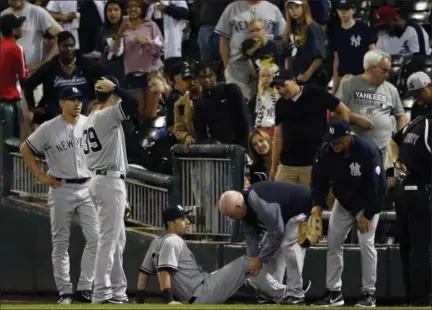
65,300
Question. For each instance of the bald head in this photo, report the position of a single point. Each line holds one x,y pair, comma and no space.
231,204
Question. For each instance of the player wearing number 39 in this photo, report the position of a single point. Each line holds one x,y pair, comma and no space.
61,141
105,152
353,167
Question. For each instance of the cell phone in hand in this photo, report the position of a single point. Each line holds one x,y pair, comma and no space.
126,19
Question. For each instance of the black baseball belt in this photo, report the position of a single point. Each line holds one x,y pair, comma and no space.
74,181
106,172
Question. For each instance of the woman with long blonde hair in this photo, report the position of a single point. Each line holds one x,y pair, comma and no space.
262,105
304,44
260,150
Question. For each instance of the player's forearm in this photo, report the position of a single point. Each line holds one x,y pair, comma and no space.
401,122
393,150
164,278
277,148
320,187
30,161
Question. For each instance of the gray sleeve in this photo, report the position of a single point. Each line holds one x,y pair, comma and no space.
280,26
270,215
37,141
147,265
398,109
224,26
252,239
44,20
113,114
342,92
169,253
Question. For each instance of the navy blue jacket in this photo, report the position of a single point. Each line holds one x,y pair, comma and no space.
270,205
357,177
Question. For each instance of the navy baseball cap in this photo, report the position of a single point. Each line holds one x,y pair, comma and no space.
346,5
11,21
173,213
112,79
281,77
337,128
70,92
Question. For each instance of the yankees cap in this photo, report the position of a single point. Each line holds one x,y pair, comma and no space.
416,82
346,5
337,128
294,1
281,77
173,213
70,92
11,21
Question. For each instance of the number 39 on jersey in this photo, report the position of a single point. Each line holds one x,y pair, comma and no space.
92,142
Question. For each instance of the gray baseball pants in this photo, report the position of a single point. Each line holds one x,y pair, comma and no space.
290,256
340,224
109,196
72,200
225,282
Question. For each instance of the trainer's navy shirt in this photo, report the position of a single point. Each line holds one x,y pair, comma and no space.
357,177
270,205
415,142
351,45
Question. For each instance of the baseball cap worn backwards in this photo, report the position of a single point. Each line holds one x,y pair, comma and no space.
70,92
384,16
173,213
11,21
337,128
417,82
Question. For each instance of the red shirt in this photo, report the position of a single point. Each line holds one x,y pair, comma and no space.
12,68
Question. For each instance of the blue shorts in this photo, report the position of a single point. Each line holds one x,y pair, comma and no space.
136,81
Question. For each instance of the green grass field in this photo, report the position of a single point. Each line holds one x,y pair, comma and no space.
161,306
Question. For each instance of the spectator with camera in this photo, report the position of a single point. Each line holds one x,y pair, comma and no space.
301,121
232,28
349,42
399,35
303,44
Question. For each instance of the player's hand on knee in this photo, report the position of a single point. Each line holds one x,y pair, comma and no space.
317,211
174,303
49,180
255,265
363,224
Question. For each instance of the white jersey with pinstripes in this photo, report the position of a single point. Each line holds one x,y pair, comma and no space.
105,147
62,144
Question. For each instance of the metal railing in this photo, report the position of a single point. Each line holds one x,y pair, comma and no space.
148,193
203,174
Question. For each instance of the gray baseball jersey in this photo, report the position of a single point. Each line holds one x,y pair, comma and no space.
63,146
105,147
377,103
170,251
233,25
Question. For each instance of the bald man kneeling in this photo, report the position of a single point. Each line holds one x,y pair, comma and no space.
276,208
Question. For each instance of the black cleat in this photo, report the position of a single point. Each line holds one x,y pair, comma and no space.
367,301
331,299
83,296
291,300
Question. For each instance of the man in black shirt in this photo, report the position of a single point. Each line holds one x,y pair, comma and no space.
411,149
301,121
221,114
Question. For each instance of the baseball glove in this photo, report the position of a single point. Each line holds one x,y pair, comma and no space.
310,233
128,211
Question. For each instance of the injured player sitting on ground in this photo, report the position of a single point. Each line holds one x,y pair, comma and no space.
181,278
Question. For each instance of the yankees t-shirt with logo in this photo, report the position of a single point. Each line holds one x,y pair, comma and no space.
351,45
377,103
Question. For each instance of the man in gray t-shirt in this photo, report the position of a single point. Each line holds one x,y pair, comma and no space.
181,277
38,21
232,28
373,101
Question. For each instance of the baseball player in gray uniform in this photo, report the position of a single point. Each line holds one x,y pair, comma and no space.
180,276
105,150
276,208
61,141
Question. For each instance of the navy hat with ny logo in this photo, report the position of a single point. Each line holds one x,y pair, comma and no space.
336,129
70,92
173,213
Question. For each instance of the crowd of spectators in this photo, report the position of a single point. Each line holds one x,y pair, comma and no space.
253,73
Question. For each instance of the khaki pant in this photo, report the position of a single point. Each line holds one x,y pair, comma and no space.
296,175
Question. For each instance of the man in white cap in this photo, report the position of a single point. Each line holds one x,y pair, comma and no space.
276,208
419,87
